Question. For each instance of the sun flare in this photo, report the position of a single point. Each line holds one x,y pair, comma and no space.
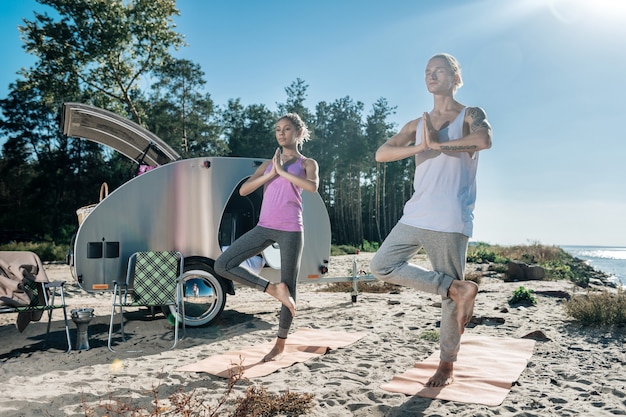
571,11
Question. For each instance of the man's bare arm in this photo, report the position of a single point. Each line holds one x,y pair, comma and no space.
398,146
479,136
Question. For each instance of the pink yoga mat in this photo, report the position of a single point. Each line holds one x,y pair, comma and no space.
486,368
302,345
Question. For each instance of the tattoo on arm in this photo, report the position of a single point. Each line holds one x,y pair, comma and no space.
479,119
458,148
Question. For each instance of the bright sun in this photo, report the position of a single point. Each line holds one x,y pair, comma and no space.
571,11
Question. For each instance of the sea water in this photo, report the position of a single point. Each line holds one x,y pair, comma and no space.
608,259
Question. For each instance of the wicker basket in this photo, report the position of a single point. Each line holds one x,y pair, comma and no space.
84,211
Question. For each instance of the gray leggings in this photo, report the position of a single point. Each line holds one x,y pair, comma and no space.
252,243
446,252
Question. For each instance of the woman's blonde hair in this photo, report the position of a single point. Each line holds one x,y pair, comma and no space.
295,119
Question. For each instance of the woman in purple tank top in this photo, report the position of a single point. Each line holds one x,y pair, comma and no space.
283,178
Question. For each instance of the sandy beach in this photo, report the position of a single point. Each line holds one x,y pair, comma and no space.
574,371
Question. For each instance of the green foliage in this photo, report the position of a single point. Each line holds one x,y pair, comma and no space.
370,246
94,52
482,254
580,271
338,250
366,246
249,130
296,96
598,308
180,113
108,48
558,270
523,296
534,253
430,335
557,263
47,251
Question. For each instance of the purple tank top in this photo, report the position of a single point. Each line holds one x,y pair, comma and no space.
282,201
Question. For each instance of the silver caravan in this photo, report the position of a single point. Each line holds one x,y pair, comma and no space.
189,205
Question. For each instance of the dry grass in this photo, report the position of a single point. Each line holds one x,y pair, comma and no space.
474,276
557,263
260,403
532,253
598,308
257,402
362,286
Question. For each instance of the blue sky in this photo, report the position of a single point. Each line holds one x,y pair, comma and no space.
548,73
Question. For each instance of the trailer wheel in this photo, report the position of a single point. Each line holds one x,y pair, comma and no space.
204,297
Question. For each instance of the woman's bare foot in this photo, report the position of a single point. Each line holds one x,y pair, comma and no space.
443,376
278,348
281,292
463,293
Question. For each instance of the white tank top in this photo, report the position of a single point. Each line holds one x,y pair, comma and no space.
445,186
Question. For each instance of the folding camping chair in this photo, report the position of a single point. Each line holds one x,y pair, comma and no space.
153,279
26,269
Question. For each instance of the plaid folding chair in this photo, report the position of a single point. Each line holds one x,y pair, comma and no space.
153,279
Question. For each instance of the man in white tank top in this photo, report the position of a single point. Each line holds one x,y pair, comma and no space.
445,143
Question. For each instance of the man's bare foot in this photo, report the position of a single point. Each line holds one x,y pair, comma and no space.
278,348
443,376
463,293
281,292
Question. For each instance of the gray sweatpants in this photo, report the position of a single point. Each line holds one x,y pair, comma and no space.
252,243
446,252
